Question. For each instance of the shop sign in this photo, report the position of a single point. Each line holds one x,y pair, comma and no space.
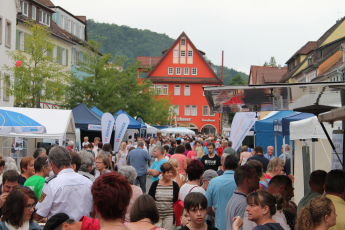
95,127
208,120
184,119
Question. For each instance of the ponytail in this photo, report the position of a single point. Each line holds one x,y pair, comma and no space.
311,216
279,200
304,220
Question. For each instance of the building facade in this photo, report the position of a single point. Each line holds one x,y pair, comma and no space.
181,74
8,15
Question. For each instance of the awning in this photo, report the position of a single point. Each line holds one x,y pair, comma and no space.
333,115
301,97
58,122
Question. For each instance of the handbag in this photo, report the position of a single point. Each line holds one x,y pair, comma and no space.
178,206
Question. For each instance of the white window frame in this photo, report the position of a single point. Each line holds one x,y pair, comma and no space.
194,110
177,90
165,90
62,21
187,90
45,18
183,42
178,70
210,112
21,40
196,71
66,23
79,32
187,110
72,27
23,3
177,110
186,72
77,58
203,110
8,37
159,89
190,52
152,87
1,29
33,12
183,53
170,70
63,56
175,53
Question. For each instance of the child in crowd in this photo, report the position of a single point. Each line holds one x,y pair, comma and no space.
86,141
195,204
185,219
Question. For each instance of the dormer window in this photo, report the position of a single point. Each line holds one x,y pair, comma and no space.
25,8
44,18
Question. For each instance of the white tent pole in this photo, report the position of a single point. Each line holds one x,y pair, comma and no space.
313,155
292,159
275,144
284,148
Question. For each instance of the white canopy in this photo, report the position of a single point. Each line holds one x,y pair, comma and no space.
58,122
182,131
150,129
310,128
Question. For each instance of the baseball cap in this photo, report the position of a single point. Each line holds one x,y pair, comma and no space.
55,221
209,174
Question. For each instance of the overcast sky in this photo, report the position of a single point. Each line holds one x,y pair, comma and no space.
249,31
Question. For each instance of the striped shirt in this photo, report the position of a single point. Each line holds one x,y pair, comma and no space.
164,200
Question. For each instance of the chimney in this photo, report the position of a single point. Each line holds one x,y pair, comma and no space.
279,67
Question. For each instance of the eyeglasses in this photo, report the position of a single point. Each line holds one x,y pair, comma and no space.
99,162
29,207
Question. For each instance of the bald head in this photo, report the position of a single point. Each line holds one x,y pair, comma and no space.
270,150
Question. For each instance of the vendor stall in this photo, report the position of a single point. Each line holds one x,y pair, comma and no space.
59,125
182,131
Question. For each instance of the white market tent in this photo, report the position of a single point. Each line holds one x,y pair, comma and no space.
58,123
182,131
151,130
307,129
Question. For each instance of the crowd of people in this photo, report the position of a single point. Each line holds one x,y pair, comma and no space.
197,183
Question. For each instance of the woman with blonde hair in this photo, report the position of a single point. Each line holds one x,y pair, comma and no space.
320,214
275,167
177,177
244,155
122,156
199,152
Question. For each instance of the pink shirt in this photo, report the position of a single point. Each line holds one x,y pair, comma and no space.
191,155
181,159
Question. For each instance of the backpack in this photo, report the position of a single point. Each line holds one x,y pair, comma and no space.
178,206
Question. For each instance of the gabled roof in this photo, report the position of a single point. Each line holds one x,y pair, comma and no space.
46,3
271,75
253,72
55,30
82,19
217,79
78,40
148,61
329,32
309,46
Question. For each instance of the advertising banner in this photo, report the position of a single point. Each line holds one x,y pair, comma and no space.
241,124
338,143
107,127
18,143
121,125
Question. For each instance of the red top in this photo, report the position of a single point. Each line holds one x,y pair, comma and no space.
89,223
268,176
220,151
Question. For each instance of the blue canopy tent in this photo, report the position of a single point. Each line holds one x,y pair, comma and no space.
84,118
97,111
278,129
133,124
264,131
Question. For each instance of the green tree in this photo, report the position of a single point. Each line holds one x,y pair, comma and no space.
266,64
273,62
237,80
39,77
112,87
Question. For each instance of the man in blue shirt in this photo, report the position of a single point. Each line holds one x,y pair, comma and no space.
220,190
270,150
155,169
138,158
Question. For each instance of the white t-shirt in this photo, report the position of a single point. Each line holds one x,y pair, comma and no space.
184,190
